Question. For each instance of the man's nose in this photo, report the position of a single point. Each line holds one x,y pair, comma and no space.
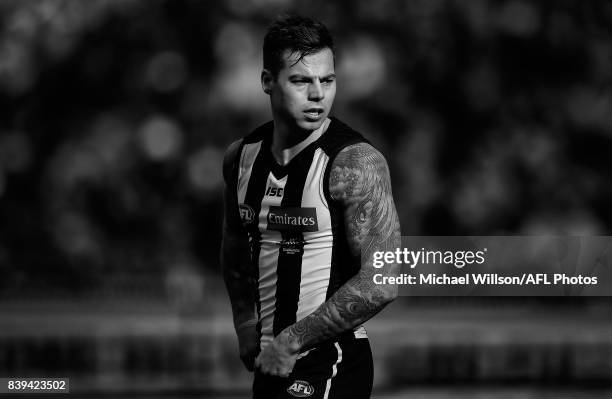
315,91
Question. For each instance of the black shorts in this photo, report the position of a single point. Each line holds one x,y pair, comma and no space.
335,370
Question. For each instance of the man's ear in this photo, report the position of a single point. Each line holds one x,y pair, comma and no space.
266,81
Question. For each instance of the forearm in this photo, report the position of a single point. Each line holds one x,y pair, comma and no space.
238,281
354,303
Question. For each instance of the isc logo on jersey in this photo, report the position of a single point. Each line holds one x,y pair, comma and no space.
300,389
274,191
292,219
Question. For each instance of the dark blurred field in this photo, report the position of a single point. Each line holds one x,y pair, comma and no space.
495,118
427,349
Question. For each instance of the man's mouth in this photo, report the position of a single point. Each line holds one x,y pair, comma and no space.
313,112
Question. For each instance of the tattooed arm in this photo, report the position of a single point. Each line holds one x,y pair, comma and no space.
359,180
235,263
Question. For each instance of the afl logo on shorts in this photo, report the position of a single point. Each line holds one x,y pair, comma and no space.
247,214
300,389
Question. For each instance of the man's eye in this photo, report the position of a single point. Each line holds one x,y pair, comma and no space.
327,81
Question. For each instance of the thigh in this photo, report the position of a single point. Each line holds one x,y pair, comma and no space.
337,370
307,380
268,387
355,375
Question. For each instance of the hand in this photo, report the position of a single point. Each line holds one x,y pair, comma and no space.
279,357
248,343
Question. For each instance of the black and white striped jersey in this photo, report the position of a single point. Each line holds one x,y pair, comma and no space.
296,232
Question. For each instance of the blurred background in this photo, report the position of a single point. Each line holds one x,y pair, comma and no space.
495,118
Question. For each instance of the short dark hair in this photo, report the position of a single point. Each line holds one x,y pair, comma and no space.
300,35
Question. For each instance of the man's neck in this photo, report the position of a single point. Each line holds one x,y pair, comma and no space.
286,145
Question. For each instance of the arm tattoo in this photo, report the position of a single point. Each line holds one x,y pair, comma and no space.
359,180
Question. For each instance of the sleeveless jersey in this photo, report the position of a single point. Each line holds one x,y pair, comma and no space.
297,239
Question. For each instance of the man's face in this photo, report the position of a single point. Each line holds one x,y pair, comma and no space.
302,93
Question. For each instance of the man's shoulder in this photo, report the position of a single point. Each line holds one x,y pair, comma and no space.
361,155
229,160
233,150
339,136
357,169
356,165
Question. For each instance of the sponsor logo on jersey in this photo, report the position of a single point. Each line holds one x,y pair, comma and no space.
292,219
274,191
292,246
300,389
247,214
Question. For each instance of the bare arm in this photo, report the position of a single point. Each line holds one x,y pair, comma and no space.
236,265
359,179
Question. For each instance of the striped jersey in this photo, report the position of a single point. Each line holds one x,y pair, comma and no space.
297,240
